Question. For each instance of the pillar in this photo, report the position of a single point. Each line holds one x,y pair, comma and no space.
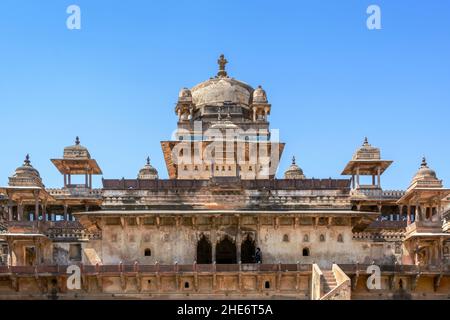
357,178
36,208
213,245
379,177
65,212
10,212
65,180
70,179
44,212
238,241
19,212
90,181
408,215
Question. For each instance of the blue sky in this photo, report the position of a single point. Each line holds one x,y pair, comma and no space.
330,80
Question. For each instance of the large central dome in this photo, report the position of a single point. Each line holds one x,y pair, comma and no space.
223,97
220,90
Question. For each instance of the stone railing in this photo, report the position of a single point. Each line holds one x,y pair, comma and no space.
395,268
316,285
156,268
377,193
76,192
343,290
380,236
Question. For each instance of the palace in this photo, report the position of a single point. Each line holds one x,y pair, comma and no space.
196,234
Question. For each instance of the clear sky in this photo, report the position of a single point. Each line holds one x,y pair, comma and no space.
330,80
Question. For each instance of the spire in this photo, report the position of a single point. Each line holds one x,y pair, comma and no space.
77,140
424,163
148,161
293,159
27,161
366,142
222,63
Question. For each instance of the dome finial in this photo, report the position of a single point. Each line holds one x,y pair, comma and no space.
222,63
148,160
424,162
77,140
366,141
27,161
293,159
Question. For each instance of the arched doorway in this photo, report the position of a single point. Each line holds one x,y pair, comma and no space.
248,250
204,251
226,252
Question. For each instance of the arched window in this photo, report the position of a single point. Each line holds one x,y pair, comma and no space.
267,285
306,252
147,252
322,238
285,238
305,238
340,238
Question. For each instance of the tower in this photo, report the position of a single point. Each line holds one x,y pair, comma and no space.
424,239
222,131
77,161
366,161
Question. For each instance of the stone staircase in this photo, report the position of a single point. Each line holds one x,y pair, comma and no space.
331,284
329,281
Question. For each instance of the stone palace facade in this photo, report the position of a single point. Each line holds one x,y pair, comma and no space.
195,235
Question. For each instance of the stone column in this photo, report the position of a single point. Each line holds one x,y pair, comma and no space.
19,211
65,212
238,240
408,215
379,177
36,207
44,211
357,178
10,211
213,245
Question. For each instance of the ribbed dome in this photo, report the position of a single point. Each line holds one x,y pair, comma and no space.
425,172
148,172
220,90
294,171
259,95
76,151
26,175
367,152
185,95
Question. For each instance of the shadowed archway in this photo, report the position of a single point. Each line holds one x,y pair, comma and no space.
248,250
204,251
226,252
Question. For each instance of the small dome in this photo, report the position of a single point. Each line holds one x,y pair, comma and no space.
367,152
259,95
185,95
425,173
294,171
76,151
148,172
26,175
